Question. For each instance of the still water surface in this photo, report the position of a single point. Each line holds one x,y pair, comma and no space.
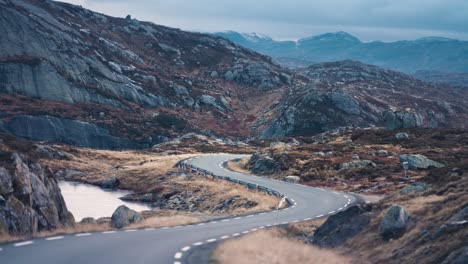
85,200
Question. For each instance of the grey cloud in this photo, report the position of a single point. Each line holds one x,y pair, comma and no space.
410,17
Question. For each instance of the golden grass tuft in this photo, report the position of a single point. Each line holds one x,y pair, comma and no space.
271,246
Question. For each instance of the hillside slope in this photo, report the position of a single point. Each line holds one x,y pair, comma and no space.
74,76
350,93
131,82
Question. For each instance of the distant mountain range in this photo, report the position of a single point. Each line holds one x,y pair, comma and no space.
426,54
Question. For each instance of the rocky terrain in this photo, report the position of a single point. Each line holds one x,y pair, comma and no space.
124,82
30,199
421,217
362,161
128,84
350,93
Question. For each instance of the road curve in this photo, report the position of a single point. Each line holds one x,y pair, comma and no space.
171,245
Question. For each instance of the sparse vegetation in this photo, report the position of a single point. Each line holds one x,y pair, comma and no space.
272,246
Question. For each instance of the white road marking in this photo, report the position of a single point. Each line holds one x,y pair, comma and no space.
285,209
236,234
224,237
83,234
262,213
294,206
254,229
285,223
166,227
54,238
150,229
245,232
185,248
319,215
225,220
341,208
178,255
1,249
201,224
292,200
198,244
177,262
130,230
237,218
331,212
211,240
296,221
109,232
249,216
261,227
25,243
213,222
268,225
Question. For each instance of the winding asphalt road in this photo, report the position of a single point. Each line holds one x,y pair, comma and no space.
172,245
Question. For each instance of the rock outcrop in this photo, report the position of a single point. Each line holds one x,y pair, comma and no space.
350,93
262,164
31,199
52,129
110,183
455,223
292,178
356,164
342,226
394,223
459,256
124,216
417,161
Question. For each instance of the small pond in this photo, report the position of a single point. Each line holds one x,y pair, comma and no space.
85,200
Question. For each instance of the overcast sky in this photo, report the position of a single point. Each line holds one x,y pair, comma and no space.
386,20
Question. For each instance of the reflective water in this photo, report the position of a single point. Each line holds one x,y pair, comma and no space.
85,200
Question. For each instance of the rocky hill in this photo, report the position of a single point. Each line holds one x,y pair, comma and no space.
74,76
350,93
430,53
30,199
120,81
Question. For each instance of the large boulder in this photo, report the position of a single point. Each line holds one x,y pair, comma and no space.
30,199
292,179
342,226
356,164
415,188
110,183
456,222
417,161
400,119
263,164
401,135
394,223
459,256
88,221
124,216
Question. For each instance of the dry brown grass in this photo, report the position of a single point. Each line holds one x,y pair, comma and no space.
162,221
270,246
221,189
239,166
135,169
156,221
